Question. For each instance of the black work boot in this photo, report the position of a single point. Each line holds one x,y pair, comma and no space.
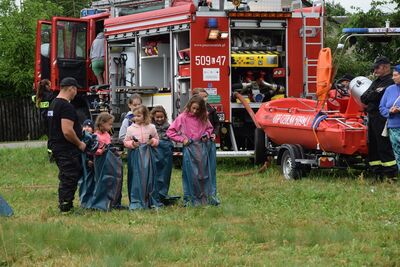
65,206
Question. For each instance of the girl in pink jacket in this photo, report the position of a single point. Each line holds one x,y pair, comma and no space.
141,139
194,130
104,123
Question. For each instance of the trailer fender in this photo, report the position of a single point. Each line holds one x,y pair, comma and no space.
293,150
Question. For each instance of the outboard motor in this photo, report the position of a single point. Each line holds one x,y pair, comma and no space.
358,86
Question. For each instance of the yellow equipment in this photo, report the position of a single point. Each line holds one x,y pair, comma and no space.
255,59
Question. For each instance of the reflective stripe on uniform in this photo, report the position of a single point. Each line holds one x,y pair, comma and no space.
34,98
384,164
389,163
375,163
44,104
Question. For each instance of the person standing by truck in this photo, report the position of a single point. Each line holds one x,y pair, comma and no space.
381,159
97,57
65,142
390,109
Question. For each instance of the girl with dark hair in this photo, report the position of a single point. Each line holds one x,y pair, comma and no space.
164,155
194,130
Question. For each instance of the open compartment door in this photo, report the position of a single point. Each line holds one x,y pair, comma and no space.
42,52
69,50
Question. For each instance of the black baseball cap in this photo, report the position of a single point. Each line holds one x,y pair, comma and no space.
69,81
380,61
89,123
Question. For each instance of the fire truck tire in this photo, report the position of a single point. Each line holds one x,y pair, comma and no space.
259,146
290,169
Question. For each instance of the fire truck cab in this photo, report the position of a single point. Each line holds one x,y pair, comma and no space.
162,50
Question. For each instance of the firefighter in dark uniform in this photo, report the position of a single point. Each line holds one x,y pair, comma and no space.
64,141
381,159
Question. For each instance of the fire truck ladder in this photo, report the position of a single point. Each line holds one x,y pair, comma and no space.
311,31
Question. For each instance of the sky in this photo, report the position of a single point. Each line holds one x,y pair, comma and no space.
365,5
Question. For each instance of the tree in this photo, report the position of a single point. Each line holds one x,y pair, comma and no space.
359,58
72,8
335,9
17,42
17,39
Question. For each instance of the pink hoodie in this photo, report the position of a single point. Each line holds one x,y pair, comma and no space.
188,126
142,133
104,139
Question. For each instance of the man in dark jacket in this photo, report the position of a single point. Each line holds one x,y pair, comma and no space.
64,141
381,159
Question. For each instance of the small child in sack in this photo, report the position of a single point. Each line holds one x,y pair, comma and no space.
86,183
107,168
164,155
141,139
194,130
88,127
104,124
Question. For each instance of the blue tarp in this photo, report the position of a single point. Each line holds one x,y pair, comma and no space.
164,167
199,174
101,187
5,209
142,185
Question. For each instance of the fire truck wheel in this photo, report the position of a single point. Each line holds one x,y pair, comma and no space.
290,169
259,146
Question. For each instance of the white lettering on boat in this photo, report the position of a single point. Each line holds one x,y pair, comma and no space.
290,119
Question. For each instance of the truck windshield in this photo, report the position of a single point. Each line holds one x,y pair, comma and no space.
71,40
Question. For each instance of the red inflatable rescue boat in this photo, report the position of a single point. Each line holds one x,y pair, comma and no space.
311,123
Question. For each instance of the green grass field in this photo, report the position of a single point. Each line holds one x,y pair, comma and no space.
327,219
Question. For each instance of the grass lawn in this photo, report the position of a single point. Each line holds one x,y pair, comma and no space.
327,219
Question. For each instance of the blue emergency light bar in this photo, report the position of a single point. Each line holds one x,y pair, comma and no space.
370,30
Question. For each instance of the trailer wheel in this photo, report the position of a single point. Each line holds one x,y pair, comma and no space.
289,168
259,146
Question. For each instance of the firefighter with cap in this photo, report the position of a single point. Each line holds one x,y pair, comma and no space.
381,159
65,142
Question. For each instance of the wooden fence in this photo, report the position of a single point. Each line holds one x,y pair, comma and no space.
20,120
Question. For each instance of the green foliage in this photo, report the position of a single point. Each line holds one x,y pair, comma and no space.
335,9
72,8
17,35
358,58
327,219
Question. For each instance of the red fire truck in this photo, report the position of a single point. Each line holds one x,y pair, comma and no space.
162,50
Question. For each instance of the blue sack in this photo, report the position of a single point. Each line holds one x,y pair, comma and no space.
164,166
199,174
142,186
107,178
5,209
86,183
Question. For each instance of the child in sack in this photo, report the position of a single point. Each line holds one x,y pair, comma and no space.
141,139
164,155
194,130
